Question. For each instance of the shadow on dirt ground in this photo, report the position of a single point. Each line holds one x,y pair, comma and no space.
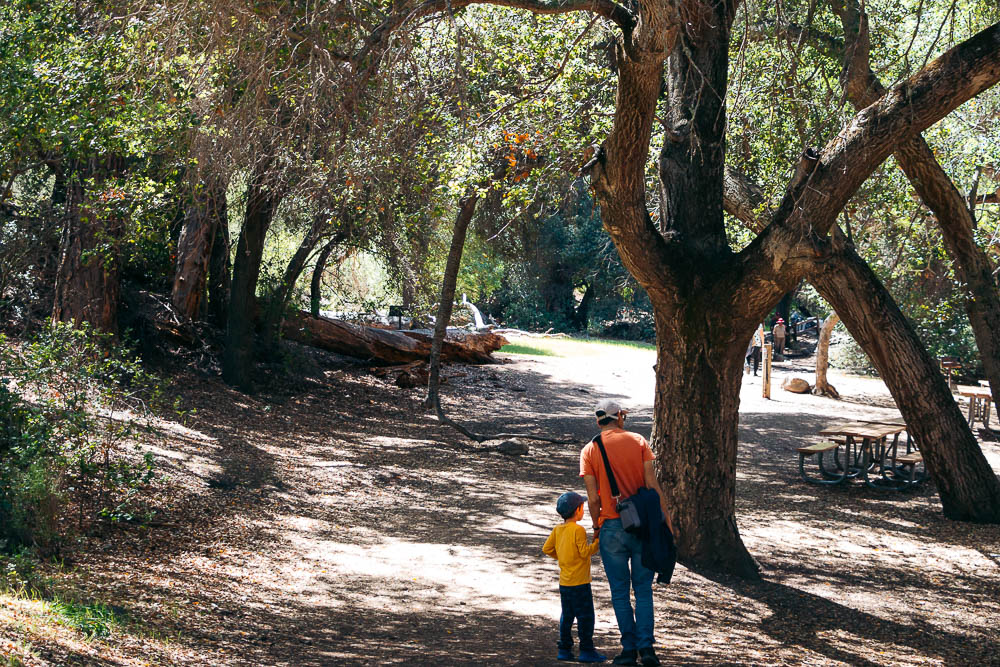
330,520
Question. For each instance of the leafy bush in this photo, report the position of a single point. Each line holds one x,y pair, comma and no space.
69,402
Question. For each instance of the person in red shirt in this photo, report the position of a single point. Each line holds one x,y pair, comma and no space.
621,552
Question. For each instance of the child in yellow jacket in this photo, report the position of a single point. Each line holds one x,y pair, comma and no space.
568,544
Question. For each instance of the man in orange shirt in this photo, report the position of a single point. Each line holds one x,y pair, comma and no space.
621,552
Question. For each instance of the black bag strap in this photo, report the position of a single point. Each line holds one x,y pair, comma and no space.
607,466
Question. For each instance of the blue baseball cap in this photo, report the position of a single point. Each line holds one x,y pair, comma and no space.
567,504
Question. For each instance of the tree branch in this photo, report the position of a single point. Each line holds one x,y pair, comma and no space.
365,61
744,200
876,131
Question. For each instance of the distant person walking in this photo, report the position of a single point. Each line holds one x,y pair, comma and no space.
756,343
779,336
631,462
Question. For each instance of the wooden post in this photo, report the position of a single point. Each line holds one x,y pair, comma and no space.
766,383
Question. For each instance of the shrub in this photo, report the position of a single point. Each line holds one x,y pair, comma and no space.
69,403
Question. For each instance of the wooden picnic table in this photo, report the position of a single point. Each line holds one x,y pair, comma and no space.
867,449
979,403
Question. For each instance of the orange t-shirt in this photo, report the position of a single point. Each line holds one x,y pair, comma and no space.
627,453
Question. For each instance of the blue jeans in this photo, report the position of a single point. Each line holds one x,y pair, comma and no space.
578,603
618,550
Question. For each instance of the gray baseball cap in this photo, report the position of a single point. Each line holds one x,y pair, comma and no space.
608,407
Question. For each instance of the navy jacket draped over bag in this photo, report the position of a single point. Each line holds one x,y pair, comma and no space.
658,551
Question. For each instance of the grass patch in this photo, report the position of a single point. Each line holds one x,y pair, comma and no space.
517,348
572,347
608,342
93,620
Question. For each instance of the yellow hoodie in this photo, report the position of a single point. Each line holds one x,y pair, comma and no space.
568,544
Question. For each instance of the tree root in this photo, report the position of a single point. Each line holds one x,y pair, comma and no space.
827,390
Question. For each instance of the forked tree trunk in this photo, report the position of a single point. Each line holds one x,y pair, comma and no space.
823,386
194,249
969,489
239,357
278,301
706,297
466,207
87,278
316,283
220,272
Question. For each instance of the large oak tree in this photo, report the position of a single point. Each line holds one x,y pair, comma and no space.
707,298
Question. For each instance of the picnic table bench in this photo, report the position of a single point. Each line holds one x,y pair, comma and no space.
869,455
979,403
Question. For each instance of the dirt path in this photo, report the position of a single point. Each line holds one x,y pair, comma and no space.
334,523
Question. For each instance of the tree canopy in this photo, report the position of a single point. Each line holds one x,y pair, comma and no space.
665,170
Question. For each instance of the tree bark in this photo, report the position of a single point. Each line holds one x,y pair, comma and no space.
317,276
822,386
967,485
205,212
466,207
953,213
239,357
220,271
696,413
87,278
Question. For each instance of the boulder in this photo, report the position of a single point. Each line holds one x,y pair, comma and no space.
512,448
796,386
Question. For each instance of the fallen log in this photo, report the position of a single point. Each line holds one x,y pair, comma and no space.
387,346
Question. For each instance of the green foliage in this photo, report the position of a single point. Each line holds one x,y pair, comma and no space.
69,404
92,620
19,575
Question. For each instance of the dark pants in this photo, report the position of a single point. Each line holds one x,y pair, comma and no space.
577,603
754,358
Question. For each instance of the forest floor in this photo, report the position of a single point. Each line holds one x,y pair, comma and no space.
331,520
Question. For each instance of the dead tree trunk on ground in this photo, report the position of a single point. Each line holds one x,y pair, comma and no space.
389,346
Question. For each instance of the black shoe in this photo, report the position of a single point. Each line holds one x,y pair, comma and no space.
648,656
626,658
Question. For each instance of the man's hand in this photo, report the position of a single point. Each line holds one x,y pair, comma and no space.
593,501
